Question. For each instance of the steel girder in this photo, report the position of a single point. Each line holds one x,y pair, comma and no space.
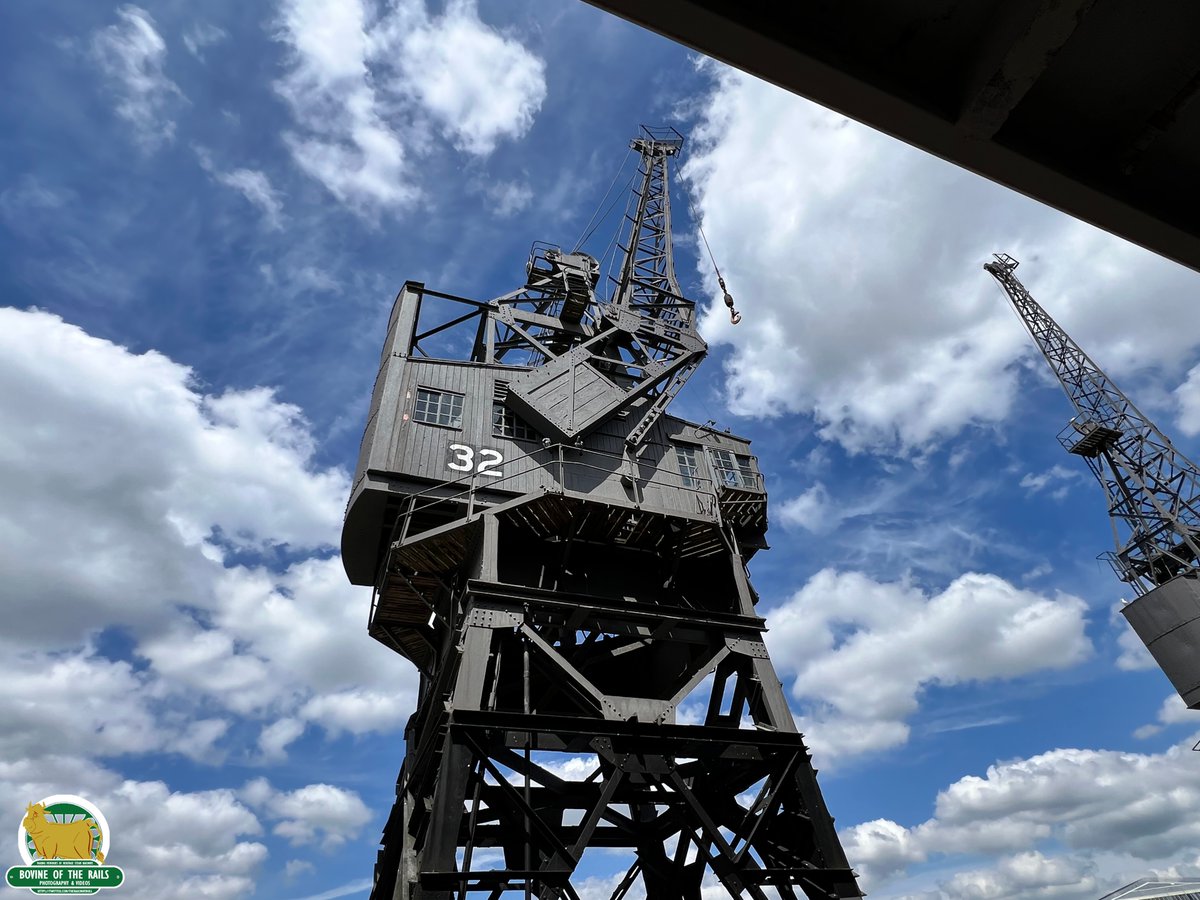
1152,489
550,727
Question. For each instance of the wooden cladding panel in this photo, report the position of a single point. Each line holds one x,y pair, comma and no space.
405,448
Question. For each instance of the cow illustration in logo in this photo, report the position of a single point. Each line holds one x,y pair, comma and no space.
63,840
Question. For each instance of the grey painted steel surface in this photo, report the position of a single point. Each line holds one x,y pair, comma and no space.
1152,490
1154,889
1087,106
565,595
1167,619
643,342
400,456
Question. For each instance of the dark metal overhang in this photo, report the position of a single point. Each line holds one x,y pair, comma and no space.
1086,105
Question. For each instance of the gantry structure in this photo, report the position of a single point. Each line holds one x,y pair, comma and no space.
1151,488
565,564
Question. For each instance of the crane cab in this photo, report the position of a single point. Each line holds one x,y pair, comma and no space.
444,441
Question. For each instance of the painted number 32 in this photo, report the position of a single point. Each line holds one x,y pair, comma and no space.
463,459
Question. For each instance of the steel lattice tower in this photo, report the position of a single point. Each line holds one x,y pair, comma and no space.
565,564
1152,490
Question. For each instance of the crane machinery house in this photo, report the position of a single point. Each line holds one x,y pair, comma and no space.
565,564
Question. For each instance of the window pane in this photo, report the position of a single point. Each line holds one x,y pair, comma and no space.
688,469
746,470
438,408
727,473
506,423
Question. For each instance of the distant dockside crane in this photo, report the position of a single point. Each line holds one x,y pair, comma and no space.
1152,490
565,564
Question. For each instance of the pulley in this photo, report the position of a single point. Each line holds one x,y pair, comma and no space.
734,315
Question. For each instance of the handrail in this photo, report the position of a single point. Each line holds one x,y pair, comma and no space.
741,480
470,484
469,479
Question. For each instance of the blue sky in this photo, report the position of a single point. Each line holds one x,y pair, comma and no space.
206,213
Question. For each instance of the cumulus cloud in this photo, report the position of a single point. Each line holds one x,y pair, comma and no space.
173,845
1130,811
1029,874
122,460
152,484
859,652
274,739
477,84
1187,395
367,88
316,812
132,54
856,260
288,643
1134,657
1172,712
342,137
78,703
297,867
812,510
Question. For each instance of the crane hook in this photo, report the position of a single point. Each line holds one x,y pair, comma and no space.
734,315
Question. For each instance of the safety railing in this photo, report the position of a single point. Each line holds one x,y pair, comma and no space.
739,479
1087,437
558,461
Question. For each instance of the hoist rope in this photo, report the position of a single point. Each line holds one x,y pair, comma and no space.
734,315
615,240
593,222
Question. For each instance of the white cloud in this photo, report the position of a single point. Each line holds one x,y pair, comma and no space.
1025,875
196,832
294,281
364,87
252,184
860,651
602,887
77,703
509,197
150,482
1055,475
310,278
202,35
812,510
856,262
297,867
477,84
121,459
345,890
1128,811
343,139
291,645
1187,395
316,812
361,710
132,54
274,739
1134,656
1172,712
172,845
